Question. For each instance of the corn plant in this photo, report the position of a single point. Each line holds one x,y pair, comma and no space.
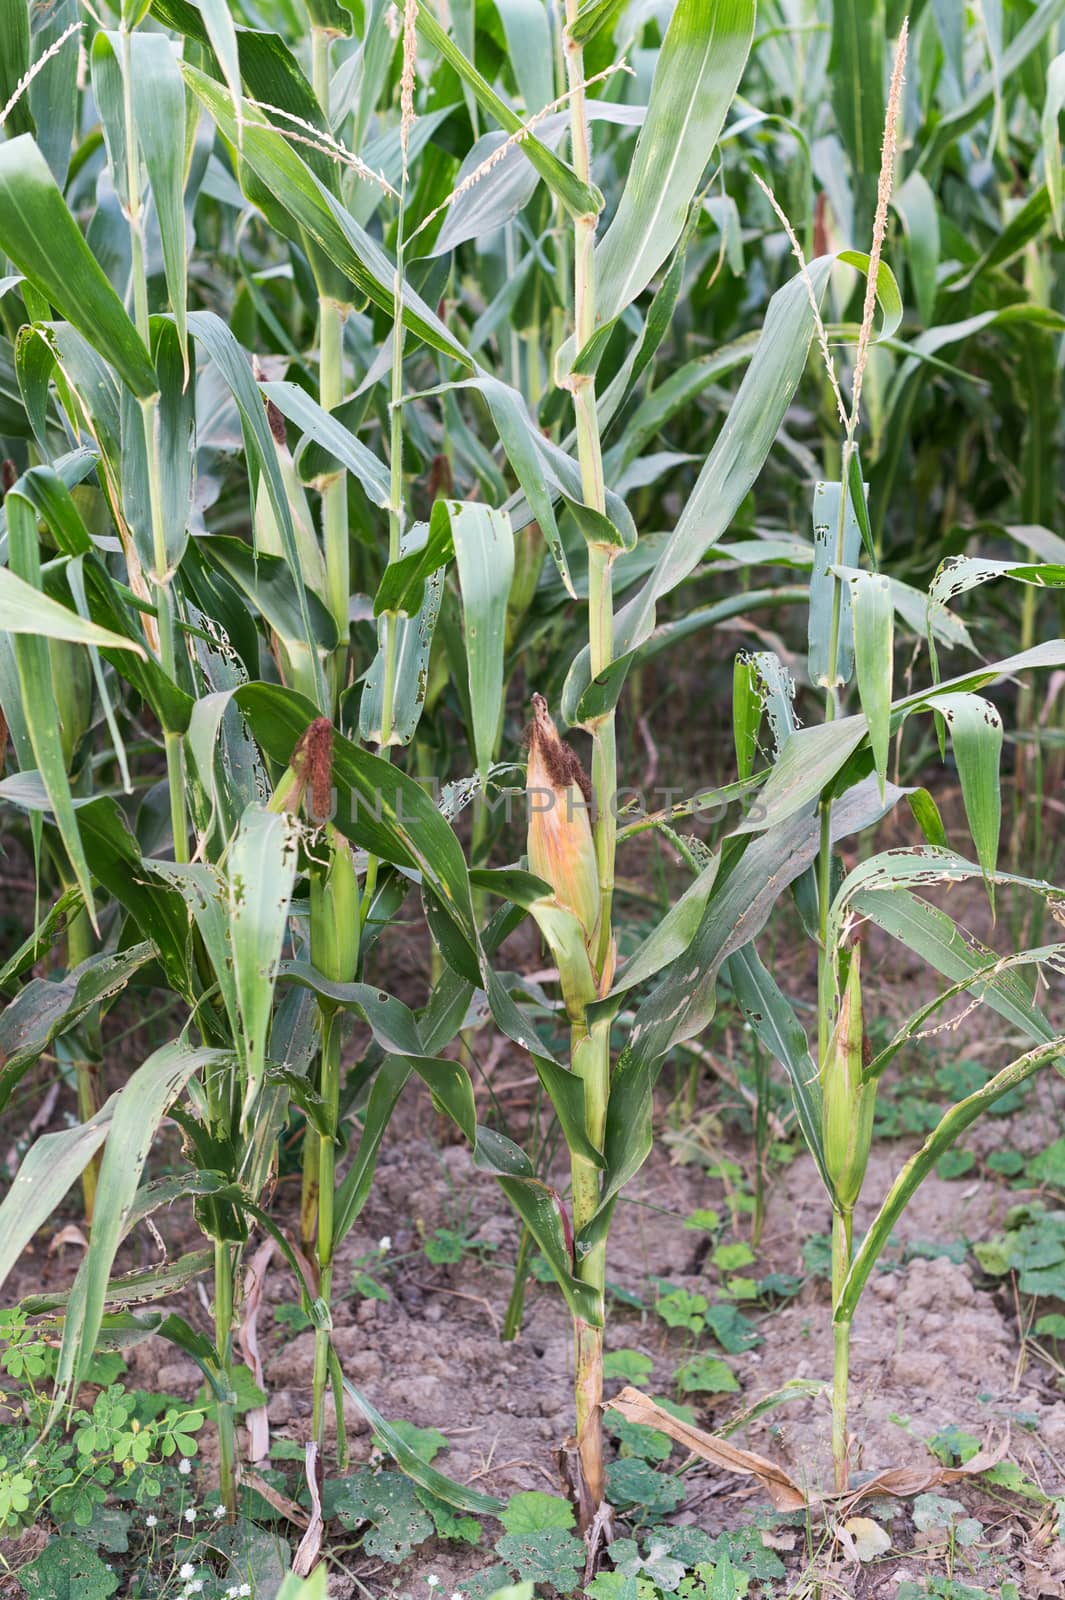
286,513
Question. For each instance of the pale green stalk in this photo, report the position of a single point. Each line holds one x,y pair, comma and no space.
841,1222
842,1230
590,1053
335,929
223,1323
330,1093
79,949
217,1088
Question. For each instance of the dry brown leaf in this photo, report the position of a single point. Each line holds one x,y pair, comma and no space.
902,1482
280,1502
68,1235
256,1421
778,1484
783,1491
307,1555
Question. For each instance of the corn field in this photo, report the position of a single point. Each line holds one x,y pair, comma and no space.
532,719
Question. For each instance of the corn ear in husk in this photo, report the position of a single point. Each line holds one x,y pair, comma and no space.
848,1100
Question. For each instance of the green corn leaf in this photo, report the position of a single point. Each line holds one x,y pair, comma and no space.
592,18
881,889
222,32
390,1021
979,983
49,494
889,300
329,432
134,1288
15,61
354,1188
975,728
203,889
927,817
579,198
378,807
413,646
973,105
52,94
210,331
260,872
34,670
873,614
837,543
946,1134
43,240
544,470
527,30
814,756
671,936
44,1009
269,585
915,202
506,188
856,74
959,574
267,65
428,547
746,715
311,207
24,609
444,1488
50,1166
484,555
159,118
168,429
777,1027
117,864
730,469
33,947
1051,130
683,1001
107,88
697,72
539,1209
136,1112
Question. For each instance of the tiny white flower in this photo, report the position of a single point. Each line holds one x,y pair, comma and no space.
151,1521
245,1589
385,1244
432,1580
196,1586
458,1595
184,1466
219,1511
186,1570
190,1514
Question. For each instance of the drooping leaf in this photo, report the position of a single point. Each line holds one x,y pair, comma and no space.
39,234
873,617
975,728
580,199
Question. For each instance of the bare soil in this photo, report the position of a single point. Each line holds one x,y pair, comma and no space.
930,1347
